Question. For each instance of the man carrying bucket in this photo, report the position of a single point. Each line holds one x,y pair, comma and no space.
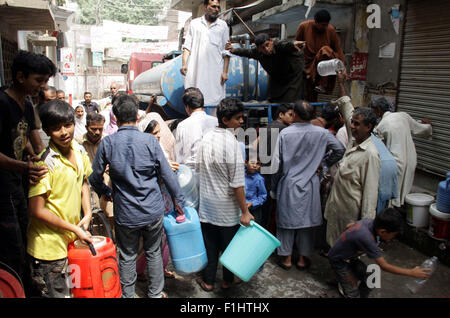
222,189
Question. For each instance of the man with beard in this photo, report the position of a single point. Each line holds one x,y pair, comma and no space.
322,43
205,60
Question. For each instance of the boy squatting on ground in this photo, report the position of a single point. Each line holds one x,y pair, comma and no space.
55,202
358,238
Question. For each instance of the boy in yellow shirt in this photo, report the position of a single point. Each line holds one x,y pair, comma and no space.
55,202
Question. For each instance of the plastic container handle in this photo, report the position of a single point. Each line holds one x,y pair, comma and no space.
178,208
91,246
251,223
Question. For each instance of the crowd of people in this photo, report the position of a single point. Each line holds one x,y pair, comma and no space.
328,181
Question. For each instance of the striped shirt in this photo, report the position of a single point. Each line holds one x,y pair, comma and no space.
221,169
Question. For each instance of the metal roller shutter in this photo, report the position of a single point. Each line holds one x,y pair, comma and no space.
424,86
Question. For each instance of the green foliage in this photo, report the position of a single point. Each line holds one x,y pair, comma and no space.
144,12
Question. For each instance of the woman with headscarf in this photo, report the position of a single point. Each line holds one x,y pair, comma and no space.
80,122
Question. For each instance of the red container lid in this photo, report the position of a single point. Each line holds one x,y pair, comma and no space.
180,218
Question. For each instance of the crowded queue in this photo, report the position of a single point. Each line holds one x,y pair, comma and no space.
334,179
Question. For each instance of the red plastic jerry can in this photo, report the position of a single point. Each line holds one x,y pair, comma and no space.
94,276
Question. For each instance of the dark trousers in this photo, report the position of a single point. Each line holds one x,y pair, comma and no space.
352,277
258,214
216,240
268,208
50,278
13,236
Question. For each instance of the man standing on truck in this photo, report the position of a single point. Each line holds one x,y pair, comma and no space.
205,60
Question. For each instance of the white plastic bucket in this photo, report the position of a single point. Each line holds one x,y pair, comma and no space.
439,224
417,208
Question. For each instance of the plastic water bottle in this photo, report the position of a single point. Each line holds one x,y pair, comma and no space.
330,67
415,285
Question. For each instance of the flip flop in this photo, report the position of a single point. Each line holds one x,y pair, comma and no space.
202,285
285,267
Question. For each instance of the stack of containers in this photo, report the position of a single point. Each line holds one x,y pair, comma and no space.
440,212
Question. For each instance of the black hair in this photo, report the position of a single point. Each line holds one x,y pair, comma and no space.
368,115
390,220
282,109
125,109
60,91
329,112
32,63
304,110
322,16
116,96
261,38
151,127
41,93
85,93
174,124
56,112
228,107
381,103
193,98
93,117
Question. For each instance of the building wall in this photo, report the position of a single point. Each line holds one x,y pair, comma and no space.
386,69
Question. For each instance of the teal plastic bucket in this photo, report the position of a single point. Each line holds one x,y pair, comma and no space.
248,250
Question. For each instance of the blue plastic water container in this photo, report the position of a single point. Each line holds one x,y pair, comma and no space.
185,239
248,250
443,195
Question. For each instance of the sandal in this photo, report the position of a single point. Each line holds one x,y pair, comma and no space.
283,266
203,286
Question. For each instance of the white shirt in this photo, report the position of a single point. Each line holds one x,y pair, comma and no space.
189,135
221,170
205,65
395,130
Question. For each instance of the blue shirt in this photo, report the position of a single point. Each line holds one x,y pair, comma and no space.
255,190
359,238
387,183
136,162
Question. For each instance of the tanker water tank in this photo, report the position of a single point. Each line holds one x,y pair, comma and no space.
166,80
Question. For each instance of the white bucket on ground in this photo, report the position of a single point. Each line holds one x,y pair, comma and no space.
417,209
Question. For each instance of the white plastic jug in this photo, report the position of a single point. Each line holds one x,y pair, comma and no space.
330,67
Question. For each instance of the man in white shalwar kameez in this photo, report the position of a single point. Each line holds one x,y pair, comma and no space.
205,60
396,130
